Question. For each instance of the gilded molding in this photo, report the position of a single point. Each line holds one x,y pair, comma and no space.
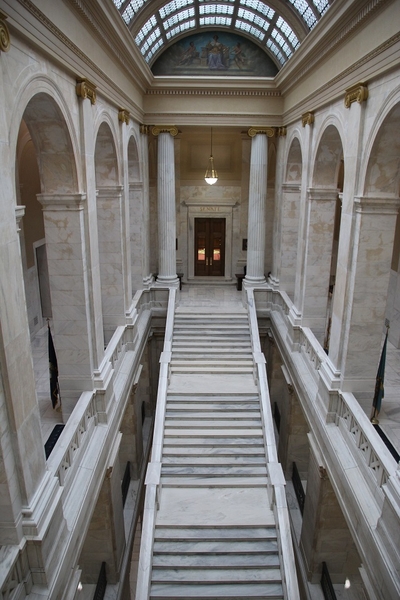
5,40
172,129
86,89
268,131
308,118
123,115
356,93
281,131
145,129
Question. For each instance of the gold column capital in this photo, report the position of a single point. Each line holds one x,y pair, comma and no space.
268,131
356,93
157,129
308,118
5,40
281,131
123,115
86,89
145,129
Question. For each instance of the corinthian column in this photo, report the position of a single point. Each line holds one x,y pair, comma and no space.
257,198
166,205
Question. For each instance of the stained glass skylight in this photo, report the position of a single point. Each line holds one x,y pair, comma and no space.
279,34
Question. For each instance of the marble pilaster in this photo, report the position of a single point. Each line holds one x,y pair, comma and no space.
166,209
125,219
257,199
66,241
320,221
286,252
356,352
111,253
131,450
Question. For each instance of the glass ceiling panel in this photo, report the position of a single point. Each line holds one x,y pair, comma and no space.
279,37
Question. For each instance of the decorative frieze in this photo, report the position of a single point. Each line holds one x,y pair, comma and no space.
308,118
86,89
124,115
5,40
268,131
356,93
172,129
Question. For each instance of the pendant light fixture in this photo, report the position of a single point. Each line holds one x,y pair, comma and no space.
211,176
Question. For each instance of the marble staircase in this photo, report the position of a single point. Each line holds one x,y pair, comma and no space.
215,534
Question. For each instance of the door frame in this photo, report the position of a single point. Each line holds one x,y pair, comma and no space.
207,208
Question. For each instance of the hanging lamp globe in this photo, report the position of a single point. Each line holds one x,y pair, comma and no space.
211,175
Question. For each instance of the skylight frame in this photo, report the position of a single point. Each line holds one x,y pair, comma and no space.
270,29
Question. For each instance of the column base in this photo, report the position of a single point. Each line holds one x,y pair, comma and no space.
167,281
251,282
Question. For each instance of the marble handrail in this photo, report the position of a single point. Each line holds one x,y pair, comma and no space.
153,476
12,575
276,486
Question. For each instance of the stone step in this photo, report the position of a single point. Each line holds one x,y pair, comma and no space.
198,459
213,335
212,370
215,433
212,471
207,343
237,364
217,356
225,481
230,547
197,408
231,561
208,413
214,423
220,575
214,452
202,442
254,591
215,533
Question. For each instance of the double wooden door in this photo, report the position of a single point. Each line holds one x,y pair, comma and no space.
209,248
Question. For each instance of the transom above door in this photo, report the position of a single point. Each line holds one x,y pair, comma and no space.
209,251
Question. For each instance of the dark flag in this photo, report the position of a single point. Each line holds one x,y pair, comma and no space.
379,385
53,370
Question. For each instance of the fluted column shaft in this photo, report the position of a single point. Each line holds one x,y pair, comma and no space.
257,199
166,209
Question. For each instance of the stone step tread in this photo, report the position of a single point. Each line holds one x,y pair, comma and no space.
212,453
212,397
212,335
214,357
212,471
235,441
231,561
255,591
215,533
218,576
216,432
197,481
199,408
208,344
210,422
215,547
208,369
193,362
199,460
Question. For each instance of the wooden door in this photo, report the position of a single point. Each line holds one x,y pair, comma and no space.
209,248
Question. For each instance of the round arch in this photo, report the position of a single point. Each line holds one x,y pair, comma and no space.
294,161
328,157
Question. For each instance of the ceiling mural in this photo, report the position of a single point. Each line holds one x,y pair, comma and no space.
215,53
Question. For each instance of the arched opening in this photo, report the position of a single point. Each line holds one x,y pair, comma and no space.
45,172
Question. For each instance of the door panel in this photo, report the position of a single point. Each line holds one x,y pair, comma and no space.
209,247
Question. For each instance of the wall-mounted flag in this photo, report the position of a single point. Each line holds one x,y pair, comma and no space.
53,371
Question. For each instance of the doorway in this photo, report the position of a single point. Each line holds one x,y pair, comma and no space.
209,251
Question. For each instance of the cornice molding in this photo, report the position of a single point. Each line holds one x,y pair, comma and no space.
200,92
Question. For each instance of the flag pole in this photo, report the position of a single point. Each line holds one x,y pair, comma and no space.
379,384
53,372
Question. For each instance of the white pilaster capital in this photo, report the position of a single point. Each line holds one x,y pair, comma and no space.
381,205
322,194
19,213
110,191
291,188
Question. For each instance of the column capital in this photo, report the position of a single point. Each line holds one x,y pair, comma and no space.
62,202
356,93
86,89
377,204
308,118
123,116
110,191
157,129
268,131
145,129
5,40
19,213
290,187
